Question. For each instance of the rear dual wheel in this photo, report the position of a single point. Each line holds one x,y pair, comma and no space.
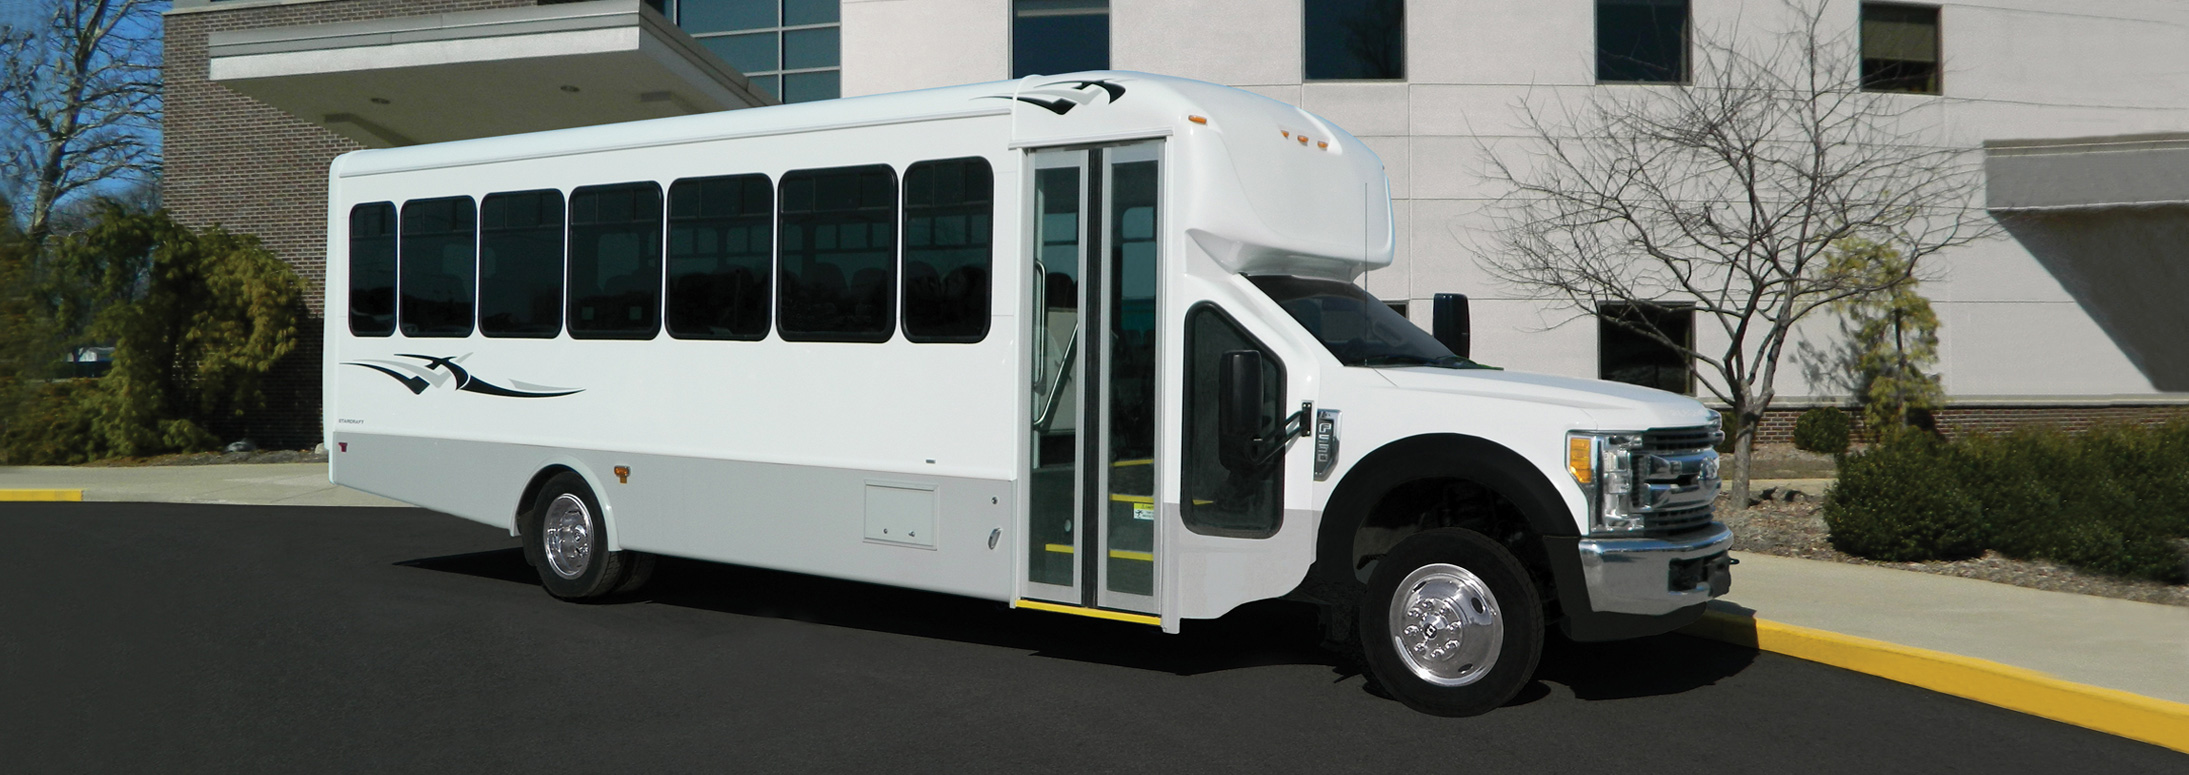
1451,625
566,540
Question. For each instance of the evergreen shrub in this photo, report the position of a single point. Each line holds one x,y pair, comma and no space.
1824,429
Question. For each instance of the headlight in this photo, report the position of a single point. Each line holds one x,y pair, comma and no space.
1603,464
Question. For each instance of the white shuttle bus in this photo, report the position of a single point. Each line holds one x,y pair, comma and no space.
1087,344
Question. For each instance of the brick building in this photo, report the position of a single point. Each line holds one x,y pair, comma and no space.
2072,318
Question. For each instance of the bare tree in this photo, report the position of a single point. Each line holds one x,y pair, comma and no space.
1728,193
81,103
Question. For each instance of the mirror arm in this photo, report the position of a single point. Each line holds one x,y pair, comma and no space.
1298,426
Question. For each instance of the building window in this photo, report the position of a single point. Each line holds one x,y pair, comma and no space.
437,264
1059,36
789,48
1624,354
615,261
520,264
1900,48
1641,41
836,257
948,209
721,242
1354,40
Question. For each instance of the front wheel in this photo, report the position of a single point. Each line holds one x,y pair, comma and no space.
1451,624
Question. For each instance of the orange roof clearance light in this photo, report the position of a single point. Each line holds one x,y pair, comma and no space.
1322,145
1197,119
1303,139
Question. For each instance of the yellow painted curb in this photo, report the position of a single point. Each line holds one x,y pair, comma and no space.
41,495
2111,711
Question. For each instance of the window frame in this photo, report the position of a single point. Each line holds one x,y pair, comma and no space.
570,246
772,215
402,294
1604,325
890,282
394,237
1687,47
904,256
1404,56
562,264
1938,47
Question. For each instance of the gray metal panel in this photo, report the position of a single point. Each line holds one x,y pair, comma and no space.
2134,170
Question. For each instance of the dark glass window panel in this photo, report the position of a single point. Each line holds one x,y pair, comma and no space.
753,53
372,269
772,84
721,233
808,87
1131,372
703,16
1626,355
520,264
438,260
1047,44
836,255
810,48
796,12
1641,41
1900,48
949,207
659,6
1218,500
1354,39
615,261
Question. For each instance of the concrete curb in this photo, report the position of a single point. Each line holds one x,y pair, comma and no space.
41,495
2114,712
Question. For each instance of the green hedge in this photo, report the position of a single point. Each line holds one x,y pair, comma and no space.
2113,500
1825,429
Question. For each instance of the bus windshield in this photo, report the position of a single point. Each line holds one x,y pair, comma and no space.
1357,328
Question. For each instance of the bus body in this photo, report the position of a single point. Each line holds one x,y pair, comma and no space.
983,340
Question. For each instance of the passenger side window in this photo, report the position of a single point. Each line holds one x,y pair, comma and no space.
721,232
1218,500
615,261
948,251
372,269
520,264
836,256
438,264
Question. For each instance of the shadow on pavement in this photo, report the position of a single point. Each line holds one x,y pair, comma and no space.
1254,635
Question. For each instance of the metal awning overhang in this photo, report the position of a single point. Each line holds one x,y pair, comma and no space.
456,76
2087,173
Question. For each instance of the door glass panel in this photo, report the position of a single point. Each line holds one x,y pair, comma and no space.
1131,378
1053,481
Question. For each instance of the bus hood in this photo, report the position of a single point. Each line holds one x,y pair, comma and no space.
1613,405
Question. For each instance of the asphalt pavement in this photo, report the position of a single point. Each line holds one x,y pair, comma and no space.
199,638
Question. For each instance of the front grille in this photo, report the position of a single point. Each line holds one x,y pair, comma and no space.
1680,439
1664,523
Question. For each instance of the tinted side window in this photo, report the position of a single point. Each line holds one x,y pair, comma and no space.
372,269
720,235
1218,500
948,206
520,264
837,255
615,261
438,263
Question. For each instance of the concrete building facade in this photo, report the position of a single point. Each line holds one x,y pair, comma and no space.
2078,111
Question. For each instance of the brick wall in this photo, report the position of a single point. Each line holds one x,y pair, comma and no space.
1975,418
241,164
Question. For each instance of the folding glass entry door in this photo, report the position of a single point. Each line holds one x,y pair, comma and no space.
1090,521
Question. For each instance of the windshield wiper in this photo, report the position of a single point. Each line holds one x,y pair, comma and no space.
1408,359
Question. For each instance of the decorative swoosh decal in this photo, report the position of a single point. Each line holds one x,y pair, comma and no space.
1062,100
448,366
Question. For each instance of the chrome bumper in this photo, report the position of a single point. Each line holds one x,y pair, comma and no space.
1636,575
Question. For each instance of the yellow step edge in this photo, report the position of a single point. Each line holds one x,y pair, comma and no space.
2111,711
1097,613
41,495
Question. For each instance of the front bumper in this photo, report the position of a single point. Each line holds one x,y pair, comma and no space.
1655,576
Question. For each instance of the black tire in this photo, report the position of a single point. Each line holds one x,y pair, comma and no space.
572,560
1453,676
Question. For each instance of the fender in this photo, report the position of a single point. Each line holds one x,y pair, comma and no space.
1434,455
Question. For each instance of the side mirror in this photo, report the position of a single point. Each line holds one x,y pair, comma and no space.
1449,324
1238,409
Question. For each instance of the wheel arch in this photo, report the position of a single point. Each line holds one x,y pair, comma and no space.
538,482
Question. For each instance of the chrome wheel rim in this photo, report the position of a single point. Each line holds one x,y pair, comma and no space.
566,533
1446,625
